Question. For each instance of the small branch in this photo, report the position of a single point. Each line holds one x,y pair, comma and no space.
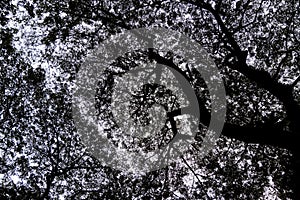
194,173
295,82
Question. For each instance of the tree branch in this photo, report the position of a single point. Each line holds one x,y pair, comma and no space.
264,135
260,135
262,78
295,82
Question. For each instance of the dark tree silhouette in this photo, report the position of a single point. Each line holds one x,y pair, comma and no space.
255,45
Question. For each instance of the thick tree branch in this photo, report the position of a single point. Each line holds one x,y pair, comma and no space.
262,78
260,135
296,82
205,115
264,135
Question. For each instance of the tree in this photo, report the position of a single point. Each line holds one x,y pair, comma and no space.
255,46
